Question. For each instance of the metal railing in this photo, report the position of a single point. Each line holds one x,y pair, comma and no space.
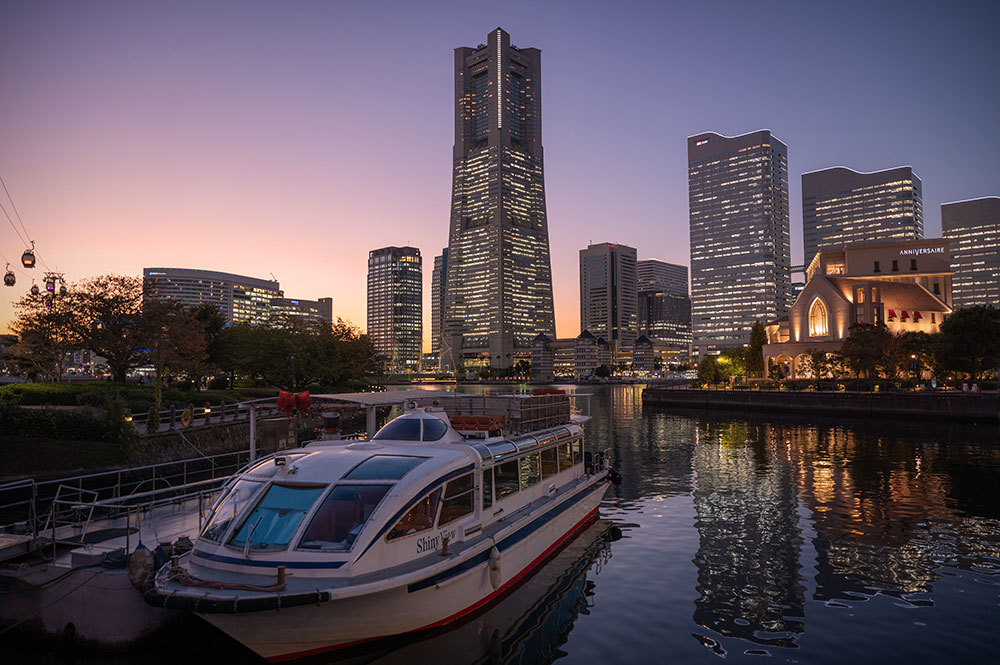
174,418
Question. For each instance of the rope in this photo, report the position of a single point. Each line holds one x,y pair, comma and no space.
181,576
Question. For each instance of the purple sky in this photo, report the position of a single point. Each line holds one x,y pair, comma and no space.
292,137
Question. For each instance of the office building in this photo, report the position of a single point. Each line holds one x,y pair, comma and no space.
906,285
740,251
842,207
608,296
395,306
240,299
499,278
654,274
973,227
439,292
665,319
318,312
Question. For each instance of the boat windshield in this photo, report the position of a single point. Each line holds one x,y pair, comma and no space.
274,521
229,507
409,429
384,467
344,513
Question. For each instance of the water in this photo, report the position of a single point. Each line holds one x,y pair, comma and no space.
805,541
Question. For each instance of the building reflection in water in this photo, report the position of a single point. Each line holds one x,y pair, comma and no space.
749,539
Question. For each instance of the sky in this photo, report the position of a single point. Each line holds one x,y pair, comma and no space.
290,138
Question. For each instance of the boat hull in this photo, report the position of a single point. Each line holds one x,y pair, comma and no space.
307,630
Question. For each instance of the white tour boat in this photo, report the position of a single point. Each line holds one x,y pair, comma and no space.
441,512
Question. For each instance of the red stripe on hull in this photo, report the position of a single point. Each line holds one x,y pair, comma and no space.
579,526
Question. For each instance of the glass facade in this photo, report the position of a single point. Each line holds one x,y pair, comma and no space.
395,305
739,226
662,276
973,227
240,299
608,296
497,294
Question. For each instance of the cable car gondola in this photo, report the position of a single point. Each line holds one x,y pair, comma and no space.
34,289
28,258
62,290
9,279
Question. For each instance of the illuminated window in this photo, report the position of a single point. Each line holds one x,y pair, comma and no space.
818,326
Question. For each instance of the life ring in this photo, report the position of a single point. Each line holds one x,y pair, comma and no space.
186,417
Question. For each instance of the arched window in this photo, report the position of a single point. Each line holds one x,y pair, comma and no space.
818,326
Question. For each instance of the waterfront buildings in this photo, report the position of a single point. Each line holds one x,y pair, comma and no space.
395,305
841,206
439,293
907,285
239,298
654,274
740,251
499,282
310,311
608,296
665,319
973,227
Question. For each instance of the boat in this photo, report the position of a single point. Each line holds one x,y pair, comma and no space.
442,512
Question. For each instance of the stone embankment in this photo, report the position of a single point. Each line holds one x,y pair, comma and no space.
940,406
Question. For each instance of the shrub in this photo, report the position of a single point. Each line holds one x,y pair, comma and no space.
218,383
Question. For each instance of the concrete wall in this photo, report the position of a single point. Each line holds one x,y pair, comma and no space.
928,406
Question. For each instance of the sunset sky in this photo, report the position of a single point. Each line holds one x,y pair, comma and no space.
290,138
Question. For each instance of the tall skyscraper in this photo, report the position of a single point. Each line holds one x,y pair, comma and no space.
499,290
665,318
395,305
973,227
841,206
240,299
439,293
740,249
608,297
654,274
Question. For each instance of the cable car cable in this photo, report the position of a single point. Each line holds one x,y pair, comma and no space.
14,207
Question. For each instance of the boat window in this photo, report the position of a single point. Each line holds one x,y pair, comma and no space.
400,429
384,467
505,476
487,488
434,429
418,518
549,464
458,499
339,520
565,455
229,507
577,451
274,521
529,470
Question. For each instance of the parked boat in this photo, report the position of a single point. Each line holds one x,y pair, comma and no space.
441,512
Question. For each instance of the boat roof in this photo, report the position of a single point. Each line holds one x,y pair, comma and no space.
386,398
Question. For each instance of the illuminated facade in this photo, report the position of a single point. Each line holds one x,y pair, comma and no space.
740,250
665,318
439,292
240,299
499,279
607,296
905,285
395,305
312,311
654,274
973,227
842,207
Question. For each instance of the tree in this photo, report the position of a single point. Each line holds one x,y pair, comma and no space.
969,341
869,348
108,321
45,333
776,373
174,339
708,371
214,327
755,350
917,352
731,363
602,372
818,363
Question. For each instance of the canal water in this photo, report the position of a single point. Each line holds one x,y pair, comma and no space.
795,539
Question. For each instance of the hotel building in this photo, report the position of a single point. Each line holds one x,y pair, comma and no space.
311,311
740,250
499,278
842,207
904,284
973,227
240,299
395,305
654,274
608,296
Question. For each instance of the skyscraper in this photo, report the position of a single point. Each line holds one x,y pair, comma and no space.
665,318
654,274
841,206
608,297
240,299
395,305
740,249
973,227
439,293
499,278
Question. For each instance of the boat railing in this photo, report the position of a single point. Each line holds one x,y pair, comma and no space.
65,509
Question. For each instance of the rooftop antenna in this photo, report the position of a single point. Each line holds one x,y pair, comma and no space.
273,277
